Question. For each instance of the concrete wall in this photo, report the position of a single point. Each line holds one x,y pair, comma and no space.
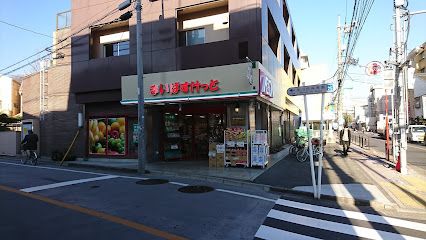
10,143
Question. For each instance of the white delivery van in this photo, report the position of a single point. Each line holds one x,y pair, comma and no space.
416,133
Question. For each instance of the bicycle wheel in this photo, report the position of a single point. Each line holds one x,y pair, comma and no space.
33,158
302,155
292,150
24,157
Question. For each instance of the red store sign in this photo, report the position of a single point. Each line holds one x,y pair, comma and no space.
186,87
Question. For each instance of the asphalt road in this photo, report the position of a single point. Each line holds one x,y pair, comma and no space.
416,153
45,202
40,203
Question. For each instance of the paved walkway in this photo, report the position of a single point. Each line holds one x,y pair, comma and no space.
358,176
185,168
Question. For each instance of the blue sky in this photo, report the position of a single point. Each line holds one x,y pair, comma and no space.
39,16
315,24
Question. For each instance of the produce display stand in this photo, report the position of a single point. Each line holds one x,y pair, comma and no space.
259,148
236,147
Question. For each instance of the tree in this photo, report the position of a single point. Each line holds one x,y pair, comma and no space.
348,118
5,121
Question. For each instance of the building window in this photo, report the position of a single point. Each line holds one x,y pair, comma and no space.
273,34
192,37
110,40
285,13
116,49
286,60
294,75
203,23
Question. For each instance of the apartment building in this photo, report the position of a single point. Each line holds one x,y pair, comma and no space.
419,62
10,100
46,99
208,66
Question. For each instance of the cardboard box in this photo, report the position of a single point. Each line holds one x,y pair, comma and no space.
220,162
212,162
212,146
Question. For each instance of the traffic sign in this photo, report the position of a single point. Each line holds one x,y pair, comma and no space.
312,89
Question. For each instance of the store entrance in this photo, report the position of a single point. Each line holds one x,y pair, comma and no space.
187,132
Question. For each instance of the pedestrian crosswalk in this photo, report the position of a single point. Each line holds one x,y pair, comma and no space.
297,220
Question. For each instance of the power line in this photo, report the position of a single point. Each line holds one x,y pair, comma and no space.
56,50
64,39
25,29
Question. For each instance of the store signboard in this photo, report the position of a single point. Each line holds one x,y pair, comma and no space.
265,85
192,84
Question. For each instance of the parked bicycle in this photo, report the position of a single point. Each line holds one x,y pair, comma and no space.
303,153
29,156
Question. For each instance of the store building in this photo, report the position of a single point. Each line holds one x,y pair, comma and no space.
208,66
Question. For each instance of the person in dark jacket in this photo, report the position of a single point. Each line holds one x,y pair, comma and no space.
345,139
30,141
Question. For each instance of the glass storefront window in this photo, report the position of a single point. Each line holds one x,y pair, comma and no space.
107,136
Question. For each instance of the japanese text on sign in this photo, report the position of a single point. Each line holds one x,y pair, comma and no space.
186,87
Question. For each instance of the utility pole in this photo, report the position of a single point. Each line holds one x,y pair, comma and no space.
141,100
400,87
339,75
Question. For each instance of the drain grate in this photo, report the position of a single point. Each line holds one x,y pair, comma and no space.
152,181
195,189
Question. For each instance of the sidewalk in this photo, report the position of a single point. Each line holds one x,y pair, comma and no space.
197,169
358,176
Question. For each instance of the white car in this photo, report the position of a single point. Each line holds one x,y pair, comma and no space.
416,133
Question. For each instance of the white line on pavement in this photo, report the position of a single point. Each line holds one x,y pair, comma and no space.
54,168
354,215
67,183
336,227
246,195
178,183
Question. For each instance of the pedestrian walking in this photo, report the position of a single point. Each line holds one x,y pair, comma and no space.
345,139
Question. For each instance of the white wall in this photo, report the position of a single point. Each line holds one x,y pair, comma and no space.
6,94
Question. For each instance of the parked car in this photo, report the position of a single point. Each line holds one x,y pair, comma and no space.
416,133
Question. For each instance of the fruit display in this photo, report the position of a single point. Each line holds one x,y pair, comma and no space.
107,136
97,136
236,147
235,134
116,136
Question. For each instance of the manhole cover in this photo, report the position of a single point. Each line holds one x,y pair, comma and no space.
152,181
195,189
94,186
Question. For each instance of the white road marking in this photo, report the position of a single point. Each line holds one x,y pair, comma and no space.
271,233
53,168
246,195
67,183
337,227
354,215
141,178
178,183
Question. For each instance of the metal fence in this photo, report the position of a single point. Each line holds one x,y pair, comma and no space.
361,140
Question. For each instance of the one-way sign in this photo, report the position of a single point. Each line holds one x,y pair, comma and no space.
312,89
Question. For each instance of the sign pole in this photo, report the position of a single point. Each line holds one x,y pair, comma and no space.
311,157
321,146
